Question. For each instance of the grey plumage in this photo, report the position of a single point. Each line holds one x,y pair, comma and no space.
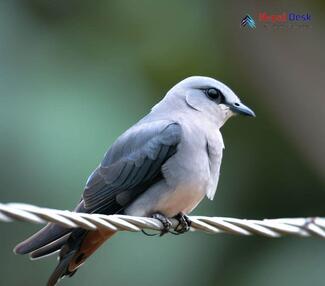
166,163
133,163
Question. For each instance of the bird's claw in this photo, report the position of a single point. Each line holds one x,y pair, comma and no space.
164,221
184,224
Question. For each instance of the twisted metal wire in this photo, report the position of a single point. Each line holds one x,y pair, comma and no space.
302,227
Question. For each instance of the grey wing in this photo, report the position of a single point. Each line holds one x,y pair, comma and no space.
131,166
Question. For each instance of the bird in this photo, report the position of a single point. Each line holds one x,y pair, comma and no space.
161,167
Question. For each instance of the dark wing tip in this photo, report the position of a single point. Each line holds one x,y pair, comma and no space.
21,248
46,235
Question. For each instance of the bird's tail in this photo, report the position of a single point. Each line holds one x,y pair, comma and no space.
74,246
80,245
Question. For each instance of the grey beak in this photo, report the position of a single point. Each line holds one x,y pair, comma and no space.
240,108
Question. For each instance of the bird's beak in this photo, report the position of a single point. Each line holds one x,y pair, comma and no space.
240,108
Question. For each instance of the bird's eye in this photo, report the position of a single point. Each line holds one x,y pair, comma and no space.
215,95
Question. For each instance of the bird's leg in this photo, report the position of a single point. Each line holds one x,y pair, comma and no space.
184,223
165,222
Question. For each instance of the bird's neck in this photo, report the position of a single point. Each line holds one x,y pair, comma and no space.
179,109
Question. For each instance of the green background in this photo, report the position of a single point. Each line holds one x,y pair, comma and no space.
76,74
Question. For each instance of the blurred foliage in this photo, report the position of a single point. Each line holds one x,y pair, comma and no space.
75,74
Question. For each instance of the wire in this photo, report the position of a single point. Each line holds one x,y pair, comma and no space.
302,227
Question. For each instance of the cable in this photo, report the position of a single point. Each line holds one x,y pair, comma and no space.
303,227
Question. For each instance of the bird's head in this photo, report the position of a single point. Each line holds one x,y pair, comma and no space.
210,97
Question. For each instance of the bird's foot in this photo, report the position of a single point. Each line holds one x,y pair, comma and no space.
164,221
184,224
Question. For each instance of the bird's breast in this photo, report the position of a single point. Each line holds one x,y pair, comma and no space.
184,198
197,164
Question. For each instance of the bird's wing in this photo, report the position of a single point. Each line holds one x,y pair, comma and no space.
131,165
